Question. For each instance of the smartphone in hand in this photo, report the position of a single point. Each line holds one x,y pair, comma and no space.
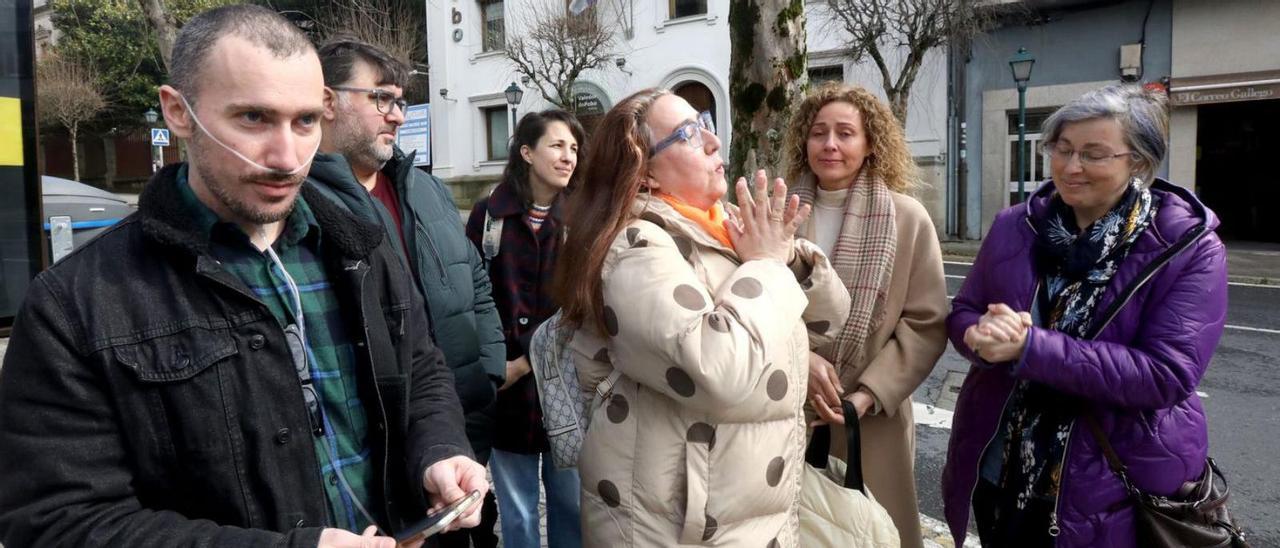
436,522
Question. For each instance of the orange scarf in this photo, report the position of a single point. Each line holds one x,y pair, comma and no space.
711,221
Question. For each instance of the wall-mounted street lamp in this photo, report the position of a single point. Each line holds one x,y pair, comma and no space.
1020,64
514,94
151,116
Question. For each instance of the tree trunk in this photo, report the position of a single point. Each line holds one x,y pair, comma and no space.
766,79
75,153
41,161
898,104
164,26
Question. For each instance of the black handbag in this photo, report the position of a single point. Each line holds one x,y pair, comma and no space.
1195,517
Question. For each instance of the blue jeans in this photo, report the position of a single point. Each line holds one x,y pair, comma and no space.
515,479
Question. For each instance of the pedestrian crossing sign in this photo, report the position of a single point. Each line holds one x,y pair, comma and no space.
159,137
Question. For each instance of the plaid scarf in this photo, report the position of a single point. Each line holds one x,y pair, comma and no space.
863,258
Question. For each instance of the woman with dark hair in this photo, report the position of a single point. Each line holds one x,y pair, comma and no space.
847,156
519,229
695,330
1090,315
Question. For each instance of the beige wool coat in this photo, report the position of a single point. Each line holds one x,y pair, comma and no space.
901,352
702,440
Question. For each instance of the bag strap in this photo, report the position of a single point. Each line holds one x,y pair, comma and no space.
491,240
853,461
544,351
820,447
605,388
1113,460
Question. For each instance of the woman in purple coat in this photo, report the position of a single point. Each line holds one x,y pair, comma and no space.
1103,295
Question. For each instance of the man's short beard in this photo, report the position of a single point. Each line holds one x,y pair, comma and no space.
220,188
358,148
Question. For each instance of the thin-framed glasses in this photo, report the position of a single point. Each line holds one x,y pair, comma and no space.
381,98
689,132
1089,157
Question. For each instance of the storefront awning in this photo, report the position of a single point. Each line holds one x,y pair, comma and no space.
1225,88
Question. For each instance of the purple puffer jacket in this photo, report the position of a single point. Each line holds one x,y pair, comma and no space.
1139,374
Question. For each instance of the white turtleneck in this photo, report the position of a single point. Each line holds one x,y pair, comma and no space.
828,218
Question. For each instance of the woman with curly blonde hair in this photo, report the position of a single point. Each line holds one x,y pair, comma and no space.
848,158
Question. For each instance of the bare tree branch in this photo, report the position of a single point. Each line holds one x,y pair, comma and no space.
909,28
67,96
393,26
557,47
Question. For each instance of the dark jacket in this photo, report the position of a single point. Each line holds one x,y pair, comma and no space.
521,274
448,271
1138,377
148,398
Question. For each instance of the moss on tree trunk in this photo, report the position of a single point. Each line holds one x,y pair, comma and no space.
766,78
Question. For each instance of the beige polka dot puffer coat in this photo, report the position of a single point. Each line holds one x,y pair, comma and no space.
702,440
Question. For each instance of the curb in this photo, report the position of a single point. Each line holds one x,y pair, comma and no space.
960,256
1254,280
938,535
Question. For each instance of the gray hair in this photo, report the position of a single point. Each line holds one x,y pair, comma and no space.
256,24
1143,117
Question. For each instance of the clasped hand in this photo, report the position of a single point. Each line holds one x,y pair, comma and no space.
1000,335
825,393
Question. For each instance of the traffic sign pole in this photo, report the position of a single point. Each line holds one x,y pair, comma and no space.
159,139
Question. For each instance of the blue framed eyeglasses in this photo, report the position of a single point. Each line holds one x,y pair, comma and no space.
689,132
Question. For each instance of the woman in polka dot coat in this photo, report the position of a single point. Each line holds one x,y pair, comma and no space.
710,324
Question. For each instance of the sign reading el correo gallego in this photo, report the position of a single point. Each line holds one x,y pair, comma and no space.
1225,88
1227,95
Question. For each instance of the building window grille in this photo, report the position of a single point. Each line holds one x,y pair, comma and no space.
493,33
822,75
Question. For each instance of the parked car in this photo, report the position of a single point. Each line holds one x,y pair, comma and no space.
83,210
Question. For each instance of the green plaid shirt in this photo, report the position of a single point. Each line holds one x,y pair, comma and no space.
330,354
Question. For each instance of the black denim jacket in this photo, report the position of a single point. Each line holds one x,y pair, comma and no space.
148,399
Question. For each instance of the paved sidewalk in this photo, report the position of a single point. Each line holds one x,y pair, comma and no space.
1247,262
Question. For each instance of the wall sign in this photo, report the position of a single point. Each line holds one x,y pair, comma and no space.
1225,88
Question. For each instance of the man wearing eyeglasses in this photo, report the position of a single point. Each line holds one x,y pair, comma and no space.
363,170
239,362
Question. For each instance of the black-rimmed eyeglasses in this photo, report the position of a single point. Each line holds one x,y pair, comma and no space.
381,98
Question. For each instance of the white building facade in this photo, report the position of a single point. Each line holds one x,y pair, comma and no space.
682,45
